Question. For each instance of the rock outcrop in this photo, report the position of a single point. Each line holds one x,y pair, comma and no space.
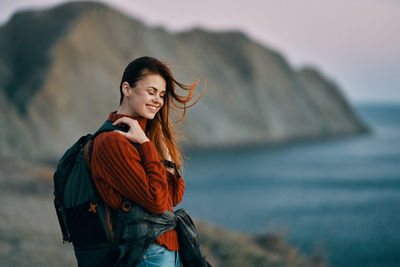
60,70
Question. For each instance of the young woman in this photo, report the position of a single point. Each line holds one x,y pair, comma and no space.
148,175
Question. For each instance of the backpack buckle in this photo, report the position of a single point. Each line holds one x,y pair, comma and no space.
126,206
92,207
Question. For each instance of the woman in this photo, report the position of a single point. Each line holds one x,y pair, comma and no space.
120,170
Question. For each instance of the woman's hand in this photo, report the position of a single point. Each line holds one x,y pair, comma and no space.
135,133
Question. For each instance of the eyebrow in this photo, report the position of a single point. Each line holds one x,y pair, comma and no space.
156,89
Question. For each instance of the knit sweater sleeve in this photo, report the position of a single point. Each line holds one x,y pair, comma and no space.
137,175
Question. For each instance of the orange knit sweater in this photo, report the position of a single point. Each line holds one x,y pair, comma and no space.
119,169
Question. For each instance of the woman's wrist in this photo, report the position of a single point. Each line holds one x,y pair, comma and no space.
169,163
171,167
170,170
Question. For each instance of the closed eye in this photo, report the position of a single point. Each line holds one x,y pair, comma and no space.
162,96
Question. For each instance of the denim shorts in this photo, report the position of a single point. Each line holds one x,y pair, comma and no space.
160,256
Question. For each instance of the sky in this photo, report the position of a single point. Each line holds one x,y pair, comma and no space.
355,43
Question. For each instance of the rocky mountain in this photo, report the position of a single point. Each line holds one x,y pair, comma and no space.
60,70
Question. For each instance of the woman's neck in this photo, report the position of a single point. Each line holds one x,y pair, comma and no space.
123,110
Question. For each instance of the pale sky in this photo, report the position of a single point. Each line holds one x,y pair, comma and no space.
355,43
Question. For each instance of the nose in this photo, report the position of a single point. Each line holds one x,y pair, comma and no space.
157,99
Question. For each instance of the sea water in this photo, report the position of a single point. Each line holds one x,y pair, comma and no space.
337,198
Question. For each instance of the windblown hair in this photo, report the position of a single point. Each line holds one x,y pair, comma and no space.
160,126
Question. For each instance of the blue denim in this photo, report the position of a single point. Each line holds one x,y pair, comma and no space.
160,256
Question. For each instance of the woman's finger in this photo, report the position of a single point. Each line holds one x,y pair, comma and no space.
125,120
117,122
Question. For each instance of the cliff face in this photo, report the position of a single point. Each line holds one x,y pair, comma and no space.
60,71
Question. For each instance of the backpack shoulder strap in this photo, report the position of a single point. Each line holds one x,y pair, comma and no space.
108,126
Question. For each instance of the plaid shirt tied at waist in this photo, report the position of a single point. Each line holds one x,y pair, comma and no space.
140,228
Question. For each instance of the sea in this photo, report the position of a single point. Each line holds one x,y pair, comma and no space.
336,198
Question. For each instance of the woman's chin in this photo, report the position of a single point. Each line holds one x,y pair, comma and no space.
149,116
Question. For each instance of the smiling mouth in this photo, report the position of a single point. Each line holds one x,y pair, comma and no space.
152,108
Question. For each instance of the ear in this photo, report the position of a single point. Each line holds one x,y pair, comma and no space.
126,89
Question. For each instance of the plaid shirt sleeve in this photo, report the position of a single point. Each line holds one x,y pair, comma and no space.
189,240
